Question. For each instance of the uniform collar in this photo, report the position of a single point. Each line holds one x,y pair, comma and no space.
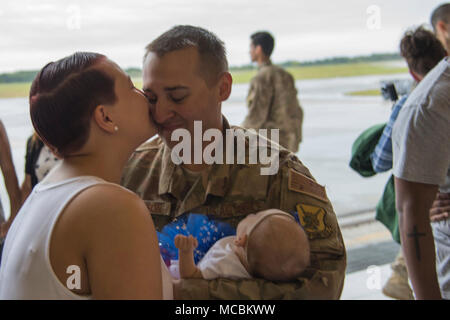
265,64
213,180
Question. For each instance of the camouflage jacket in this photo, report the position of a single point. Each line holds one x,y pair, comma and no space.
231,191
272,103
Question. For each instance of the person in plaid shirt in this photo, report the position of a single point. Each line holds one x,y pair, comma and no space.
422,51
381,157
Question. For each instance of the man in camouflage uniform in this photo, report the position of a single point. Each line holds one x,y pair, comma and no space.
186,79
272,99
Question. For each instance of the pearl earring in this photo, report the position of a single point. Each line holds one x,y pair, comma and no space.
116,128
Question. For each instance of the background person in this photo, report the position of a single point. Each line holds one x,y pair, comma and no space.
422,52
39,160
421,166
10,178
440,20
272,98
78,221
11,183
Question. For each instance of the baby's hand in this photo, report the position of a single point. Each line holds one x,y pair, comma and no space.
184,243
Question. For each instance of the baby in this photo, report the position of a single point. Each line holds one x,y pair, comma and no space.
269,245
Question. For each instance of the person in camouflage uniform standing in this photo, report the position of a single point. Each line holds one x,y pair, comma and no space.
186,78
272,99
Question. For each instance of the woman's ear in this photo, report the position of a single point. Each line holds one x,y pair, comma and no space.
103,118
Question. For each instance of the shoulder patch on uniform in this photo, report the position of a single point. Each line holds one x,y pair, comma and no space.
313,220
300,183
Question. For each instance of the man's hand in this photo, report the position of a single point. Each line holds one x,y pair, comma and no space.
185,244
440,208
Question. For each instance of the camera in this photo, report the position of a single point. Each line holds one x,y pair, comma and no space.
392,89
388,91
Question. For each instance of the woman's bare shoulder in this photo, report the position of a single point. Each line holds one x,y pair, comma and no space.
107,195
104,207
112,230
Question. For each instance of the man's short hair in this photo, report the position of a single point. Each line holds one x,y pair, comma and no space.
265,40
441,13
421,50
212,54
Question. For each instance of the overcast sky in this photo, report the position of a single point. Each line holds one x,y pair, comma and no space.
33,32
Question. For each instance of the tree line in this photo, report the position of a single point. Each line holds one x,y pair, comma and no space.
28,76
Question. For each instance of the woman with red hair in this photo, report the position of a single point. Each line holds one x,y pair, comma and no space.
79,234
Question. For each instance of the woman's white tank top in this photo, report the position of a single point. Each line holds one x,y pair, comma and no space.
25,271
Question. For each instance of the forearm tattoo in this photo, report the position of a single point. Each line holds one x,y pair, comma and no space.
416,235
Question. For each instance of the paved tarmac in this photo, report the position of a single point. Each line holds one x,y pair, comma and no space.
366,284
370,251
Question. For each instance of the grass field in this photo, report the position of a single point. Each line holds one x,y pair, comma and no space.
328,71
373,92
13,90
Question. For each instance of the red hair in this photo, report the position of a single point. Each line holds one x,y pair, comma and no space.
63,97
